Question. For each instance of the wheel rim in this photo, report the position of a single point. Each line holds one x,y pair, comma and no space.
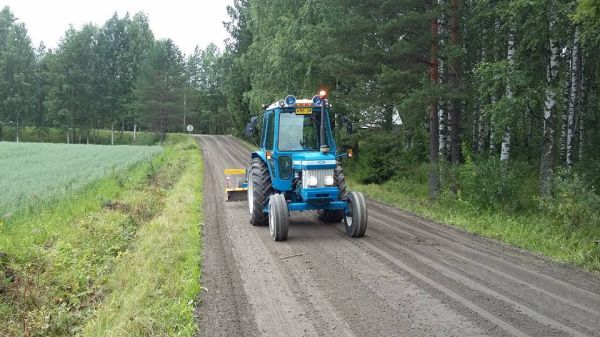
348,218
250,193
271,221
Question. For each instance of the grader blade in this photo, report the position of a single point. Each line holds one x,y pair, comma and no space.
237,194
236,189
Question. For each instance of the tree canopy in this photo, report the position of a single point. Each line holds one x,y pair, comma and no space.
510,81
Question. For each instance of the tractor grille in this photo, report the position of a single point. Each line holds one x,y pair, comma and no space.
319,173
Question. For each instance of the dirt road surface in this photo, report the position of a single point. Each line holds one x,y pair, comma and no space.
406,277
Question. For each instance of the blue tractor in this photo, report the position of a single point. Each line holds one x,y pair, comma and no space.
297,169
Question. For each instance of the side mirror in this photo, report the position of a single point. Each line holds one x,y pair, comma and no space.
251,126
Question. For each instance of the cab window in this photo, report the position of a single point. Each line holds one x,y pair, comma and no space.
270,131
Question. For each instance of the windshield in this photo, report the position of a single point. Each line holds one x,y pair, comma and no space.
299,132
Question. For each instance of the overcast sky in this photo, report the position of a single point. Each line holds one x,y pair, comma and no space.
188,23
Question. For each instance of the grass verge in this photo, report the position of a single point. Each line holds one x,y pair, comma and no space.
63,267
156,282
532,231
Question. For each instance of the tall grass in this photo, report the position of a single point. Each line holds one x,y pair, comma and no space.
154,286
34,173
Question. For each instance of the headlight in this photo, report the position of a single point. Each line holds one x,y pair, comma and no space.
312,181
329,181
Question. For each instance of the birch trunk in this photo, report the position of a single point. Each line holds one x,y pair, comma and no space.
442,128
588,95
442,111
565,112
492,147
546,165
573,97
505,149
510,56
581,134
474,127
448,149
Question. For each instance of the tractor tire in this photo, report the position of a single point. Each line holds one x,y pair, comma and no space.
356,222
336,216
259,191
278,217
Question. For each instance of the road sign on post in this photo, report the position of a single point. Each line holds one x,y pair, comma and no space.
190,128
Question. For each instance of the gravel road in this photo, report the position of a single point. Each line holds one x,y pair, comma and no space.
407,276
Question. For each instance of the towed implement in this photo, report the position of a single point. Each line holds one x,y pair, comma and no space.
235,190
296,169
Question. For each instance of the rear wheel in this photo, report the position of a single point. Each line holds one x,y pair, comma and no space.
356,221
278,217
259,191
335,216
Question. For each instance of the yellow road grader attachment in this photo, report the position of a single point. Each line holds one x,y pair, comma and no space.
236,190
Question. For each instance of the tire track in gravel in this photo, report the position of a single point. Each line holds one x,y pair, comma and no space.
406,277
466,260
568,278
475,284
223,309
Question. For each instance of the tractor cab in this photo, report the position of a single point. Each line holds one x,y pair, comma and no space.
292,145
296,169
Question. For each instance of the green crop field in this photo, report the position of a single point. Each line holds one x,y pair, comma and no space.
103,240
31,173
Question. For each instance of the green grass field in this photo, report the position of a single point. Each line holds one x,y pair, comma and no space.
117,256
31,173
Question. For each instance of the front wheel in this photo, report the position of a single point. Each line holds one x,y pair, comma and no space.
356,221
259,190
278,217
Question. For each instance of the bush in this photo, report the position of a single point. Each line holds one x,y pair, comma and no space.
490,184
382,157
573,203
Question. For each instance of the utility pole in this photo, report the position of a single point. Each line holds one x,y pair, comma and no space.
184,105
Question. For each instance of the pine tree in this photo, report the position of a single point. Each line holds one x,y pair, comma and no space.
159,88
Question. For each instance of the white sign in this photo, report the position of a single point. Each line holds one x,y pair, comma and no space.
190,128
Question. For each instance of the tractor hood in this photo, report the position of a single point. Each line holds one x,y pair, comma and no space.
313,161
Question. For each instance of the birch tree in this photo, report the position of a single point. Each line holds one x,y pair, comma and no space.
442,103
510,56
547,158
573,97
